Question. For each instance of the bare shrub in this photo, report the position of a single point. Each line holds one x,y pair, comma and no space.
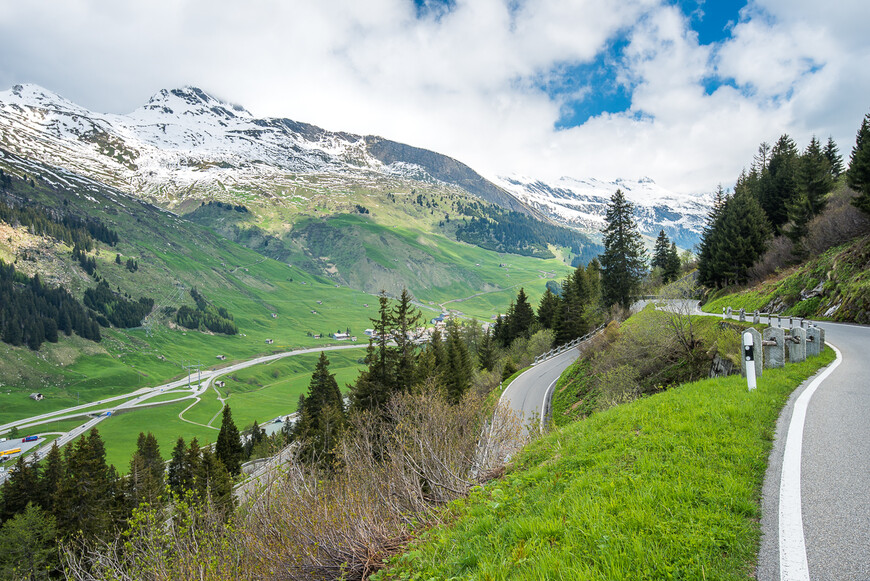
839,223
779,254
394,475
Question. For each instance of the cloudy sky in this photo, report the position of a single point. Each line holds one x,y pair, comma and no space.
681,91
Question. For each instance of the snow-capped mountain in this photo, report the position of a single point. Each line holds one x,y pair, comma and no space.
582,202
185,143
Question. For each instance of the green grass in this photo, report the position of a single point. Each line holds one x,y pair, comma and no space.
839,279
666,487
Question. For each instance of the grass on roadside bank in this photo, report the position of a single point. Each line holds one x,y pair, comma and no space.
667,486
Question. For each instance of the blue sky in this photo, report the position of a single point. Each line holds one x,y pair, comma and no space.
681,91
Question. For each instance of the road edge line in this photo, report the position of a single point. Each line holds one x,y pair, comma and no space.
792,546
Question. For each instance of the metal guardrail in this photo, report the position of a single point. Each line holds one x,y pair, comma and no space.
728,314
570,345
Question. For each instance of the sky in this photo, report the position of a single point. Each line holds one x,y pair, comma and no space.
680,91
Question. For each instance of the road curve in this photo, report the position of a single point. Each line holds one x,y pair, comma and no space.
834,472
525,395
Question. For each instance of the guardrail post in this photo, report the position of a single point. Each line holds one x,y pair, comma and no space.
756,318
797,350
813,341
758,358
821,338
774,347
742,315
728,313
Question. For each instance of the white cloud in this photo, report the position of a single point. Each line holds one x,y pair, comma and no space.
468,83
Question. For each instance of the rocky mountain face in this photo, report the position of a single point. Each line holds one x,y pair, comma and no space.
185,145
582,203
184,142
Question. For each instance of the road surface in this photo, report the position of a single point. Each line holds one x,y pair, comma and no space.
526,394
834,474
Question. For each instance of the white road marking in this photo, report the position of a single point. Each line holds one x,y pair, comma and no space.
792,548
544,403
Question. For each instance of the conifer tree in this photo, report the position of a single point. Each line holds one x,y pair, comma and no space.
257,436
521,318
51,477
457,371
623,262
832,154
814,177
779,182
213,481
28,547
405,320
672,264
20,487
228,447
571,319
548,309
660,251
375,385
486,351
145,482
179,470
87,500
858,175
321,416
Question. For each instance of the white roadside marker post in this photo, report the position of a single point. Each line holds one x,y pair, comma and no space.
749,358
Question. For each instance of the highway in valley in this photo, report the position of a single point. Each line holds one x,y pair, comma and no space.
95,412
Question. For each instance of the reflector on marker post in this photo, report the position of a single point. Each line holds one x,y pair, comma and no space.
749,359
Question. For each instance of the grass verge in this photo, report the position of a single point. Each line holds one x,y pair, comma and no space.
667,486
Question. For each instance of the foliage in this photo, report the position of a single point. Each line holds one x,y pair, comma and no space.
206,316
623,262
858,175
27,546
321,419
228,447
666,486
32,312
118,310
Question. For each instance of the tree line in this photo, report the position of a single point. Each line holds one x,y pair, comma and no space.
75,495
780,195
206,316
32,312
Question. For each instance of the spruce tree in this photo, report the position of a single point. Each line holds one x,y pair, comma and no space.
28,546
405,320
814,177
228,447
858,175
51,477
321,416
178,470
486,351
213,481
547,309
660,251
20,487
521,318
457,371
623,262
145,482
832,154
779,182
672,264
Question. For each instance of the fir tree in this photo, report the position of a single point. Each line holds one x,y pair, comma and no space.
672,264
145,483
228,447
660,251
521,318
405,320
548,308
779,182
858,175
457,371
486,351
814,177
20,487
213,481
179,474
832,154
49,482
321,416
623,262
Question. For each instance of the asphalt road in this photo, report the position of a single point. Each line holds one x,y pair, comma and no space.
834,473
525,395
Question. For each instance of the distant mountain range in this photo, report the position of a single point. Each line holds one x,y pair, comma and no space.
185,145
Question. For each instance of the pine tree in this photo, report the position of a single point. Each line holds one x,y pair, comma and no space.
521,318
547,309
486,351
779,182
321,416
145,483
87,500
858,175
20,488
660,251
405,319
457,371
623,262
228,447
832,154
28,547
672,264
814,177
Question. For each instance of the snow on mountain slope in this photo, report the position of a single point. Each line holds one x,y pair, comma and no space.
582,202
184,142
